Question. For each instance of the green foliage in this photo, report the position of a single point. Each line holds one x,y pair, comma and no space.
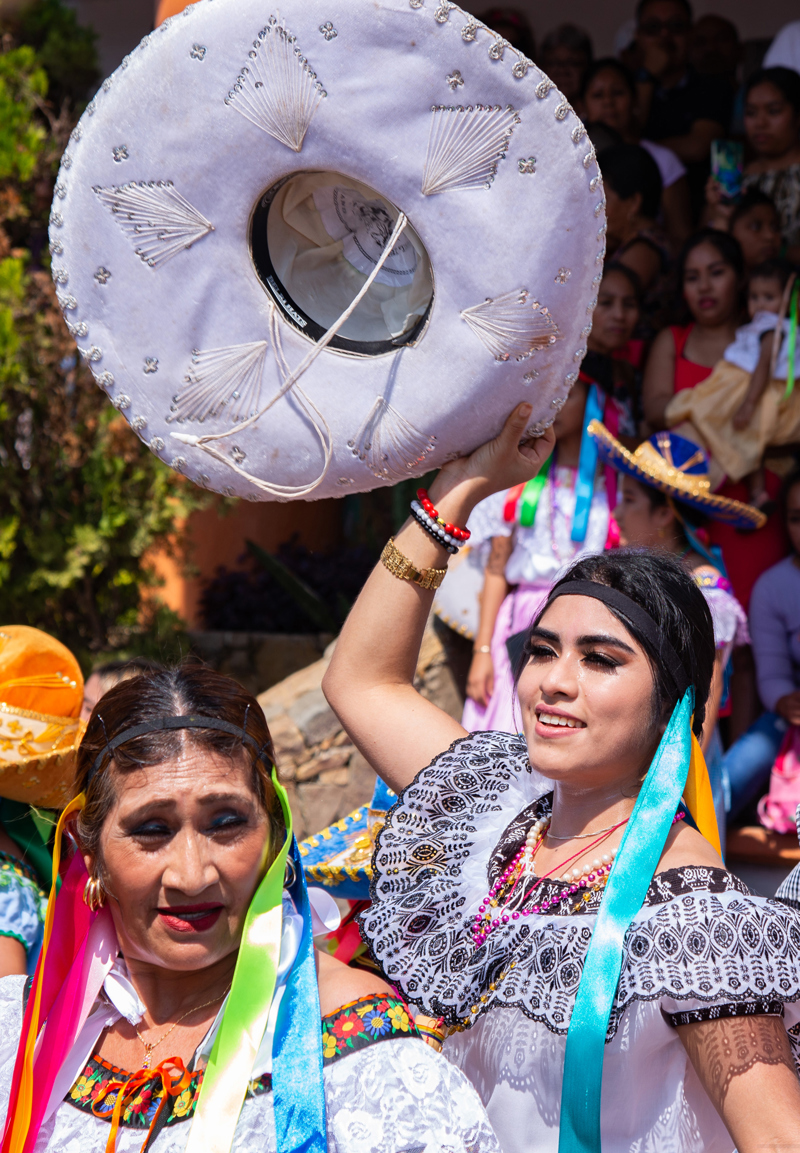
65,49
82,501
22,85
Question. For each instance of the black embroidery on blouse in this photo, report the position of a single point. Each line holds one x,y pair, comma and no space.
722,1012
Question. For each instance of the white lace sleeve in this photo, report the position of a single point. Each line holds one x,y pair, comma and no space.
402,1097
10,1028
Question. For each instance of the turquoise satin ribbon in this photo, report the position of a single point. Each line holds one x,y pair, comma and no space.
298,1095
587,467
625,892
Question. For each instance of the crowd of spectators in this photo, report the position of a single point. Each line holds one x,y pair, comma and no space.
698,140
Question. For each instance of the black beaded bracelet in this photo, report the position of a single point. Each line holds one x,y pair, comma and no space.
432,528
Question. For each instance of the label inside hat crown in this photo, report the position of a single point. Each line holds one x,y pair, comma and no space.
315,237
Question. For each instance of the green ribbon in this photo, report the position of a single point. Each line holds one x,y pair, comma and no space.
531,494
30,831
243,1023
792,343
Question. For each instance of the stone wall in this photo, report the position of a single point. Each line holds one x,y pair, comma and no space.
326,777
258,660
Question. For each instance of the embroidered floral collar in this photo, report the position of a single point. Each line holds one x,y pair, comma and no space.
352,1027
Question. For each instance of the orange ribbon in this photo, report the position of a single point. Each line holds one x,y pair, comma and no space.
175,1078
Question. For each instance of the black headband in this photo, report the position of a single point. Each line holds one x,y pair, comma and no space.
160,724
637,615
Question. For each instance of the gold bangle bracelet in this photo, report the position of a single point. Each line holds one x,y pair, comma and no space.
401,567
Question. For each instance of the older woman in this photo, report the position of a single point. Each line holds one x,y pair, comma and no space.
498,908
182,1001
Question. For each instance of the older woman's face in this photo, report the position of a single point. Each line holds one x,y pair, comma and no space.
586,698
182,853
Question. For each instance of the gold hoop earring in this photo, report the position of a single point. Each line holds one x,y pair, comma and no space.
94,895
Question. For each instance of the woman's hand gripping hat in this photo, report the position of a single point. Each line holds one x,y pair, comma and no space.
309,252
41,693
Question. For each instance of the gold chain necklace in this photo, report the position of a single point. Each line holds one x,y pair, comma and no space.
195,1009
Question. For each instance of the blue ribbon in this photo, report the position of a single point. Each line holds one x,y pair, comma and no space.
633,870
587,467
297,1087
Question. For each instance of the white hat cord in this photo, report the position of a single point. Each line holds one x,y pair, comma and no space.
290,381
421,237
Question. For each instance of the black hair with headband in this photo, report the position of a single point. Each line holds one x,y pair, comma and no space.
657,600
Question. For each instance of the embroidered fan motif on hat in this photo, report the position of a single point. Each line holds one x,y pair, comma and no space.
465,146
221,377
156,219
389,445
512,325
277,90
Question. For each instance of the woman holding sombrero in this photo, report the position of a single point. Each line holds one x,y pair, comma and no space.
665,496
557,934
178,1003
41,690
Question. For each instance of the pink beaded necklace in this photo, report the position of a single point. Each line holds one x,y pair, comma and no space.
508,897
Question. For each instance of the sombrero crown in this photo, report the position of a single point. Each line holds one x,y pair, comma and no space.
246,177
677,467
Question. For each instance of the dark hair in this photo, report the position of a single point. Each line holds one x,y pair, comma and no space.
660,584
658,499
628,169
630,274
523,39
606,64
568,36
602,135
726,245
786,80
186,689
776,269
640,7
753,198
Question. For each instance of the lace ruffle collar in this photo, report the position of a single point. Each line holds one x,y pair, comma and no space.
700,937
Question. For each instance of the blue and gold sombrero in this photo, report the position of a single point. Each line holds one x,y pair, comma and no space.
339,859
677,467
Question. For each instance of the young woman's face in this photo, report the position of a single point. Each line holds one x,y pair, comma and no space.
586,698
609,100
793,516
182,850
759,234
764,294
640,524
566,69
770,122
616,314
710,286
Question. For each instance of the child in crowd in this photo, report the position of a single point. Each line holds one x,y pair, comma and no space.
104,677
556,518
756,225
742,407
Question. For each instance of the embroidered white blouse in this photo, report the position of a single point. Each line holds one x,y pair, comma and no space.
544,550
701,946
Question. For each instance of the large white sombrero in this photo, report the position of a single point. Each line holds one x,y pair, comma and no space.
233,187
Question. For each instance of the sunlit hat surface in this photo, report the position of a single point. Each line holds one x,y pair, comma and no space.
234,185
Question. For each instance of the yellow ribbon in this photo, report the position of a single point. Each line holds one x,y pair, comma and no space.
699,798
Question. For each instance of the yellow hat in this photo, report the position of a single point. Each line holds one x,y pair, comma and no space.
41,692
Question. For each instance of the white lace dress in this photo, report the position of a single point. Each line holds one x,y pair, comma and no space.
702,946
394,1094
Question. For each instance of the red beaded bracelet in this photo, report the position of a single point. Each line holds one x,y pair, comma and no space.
462,534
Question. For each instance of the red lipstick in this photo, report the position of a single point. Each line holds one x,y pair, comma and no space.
190,918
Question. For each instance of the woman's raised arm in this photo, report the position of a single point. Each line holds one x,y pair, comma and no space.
369,682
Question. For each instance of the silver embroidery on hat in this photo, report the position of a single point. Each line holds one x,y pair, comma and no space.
277,90
465,146
512,325
389,445
222,377
154,216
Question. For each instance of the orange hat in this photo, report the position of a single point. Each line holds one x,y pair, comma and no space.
41,691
